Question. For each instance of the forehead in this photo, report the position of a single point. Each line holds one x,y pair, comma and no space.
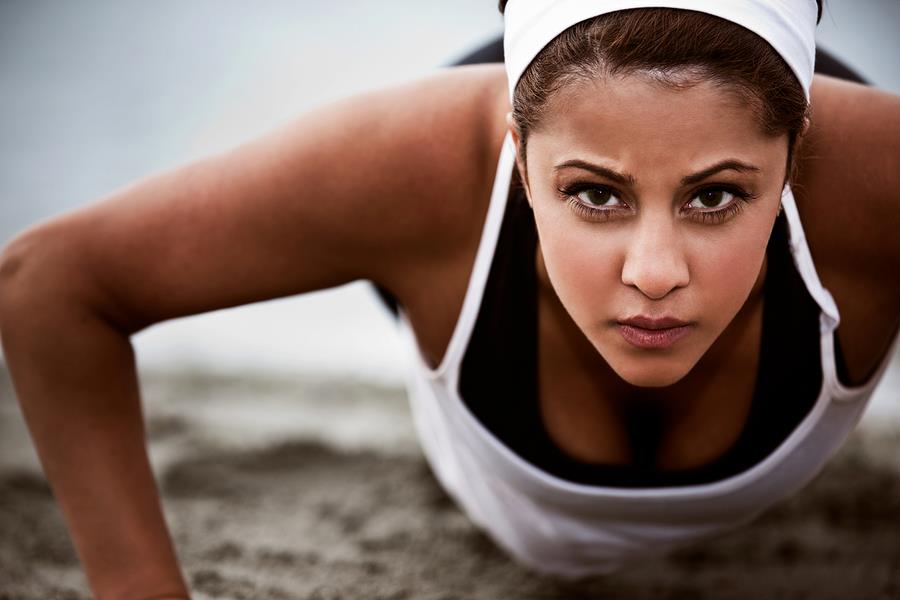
631,117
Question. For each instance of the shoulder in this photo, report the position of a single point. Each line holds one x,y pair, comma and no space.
848,195
390,183
442,150
848,183
425,152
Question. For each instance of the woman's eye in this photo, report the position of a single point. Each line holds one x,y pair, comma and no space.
598,197
711,198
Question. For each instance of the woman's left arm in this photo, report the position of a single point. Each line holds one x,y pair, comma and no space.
848,195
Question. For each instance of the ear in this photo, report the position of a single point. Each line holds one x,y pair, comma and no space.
801,135
805,128
791,170
520,165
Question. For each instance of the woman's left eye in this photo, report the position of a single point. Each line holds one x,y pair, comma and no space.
712,198
717,204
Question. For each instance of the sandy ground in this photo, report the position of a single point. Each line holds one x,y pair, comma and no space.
305,489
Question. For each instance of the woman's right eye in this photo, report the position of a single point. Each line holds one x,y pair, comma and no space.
593,202
598,197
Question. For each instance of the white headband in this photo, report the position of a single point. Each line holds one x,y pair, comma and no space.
789,26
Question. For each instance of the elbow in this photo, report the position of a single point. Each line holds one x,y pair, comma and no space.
23,274
37,281
16,262
47,278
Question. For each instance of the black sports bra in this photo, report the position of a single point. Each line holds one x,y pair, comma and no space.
499,381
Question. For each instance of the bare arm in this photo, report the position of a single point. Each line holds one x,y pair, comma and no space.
74,375
849,178
848,194
371,188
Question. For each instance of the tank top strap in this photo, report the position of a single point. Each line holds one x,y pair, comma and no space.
804,263
449,366
830,317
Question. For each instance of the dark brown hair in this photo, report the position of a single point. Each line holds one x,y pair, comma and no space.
679,48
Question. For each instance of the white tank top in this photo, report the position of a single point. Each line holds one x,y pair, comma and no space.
571,529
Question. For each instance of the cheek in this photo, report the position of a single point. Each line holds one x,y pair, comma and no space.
583,267
724,271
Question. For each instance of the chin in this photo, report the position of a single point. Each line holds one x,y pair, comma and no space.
650,372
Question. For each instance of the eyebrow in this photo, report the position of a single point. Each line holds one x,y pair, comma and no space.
628,179
623,178
725,165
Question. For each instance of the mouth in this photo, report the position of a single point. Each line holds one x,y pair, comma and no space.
649,333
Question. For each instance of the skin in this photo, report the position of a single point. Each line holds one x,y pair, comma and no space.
292,212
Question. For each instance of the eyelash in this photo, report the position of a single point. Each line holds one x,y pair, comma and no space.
711,217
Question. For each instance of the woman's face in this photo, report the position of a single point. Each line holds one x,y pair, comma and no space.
653,207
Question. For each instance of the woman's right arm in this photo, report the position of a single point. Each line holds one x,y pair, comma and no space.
376,187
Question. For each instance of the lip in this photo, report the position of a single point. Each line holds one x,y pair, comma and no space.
653,333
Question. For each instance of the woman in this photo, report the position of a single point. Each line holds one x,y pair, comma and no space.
633,349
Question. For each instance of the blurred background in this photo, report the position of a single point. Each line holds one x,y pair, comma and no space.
98,93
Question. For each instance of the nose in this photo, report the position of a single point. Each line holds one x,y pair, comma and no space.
655,261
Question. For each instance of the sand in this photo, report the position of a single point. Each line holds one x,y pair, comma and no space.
314,489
